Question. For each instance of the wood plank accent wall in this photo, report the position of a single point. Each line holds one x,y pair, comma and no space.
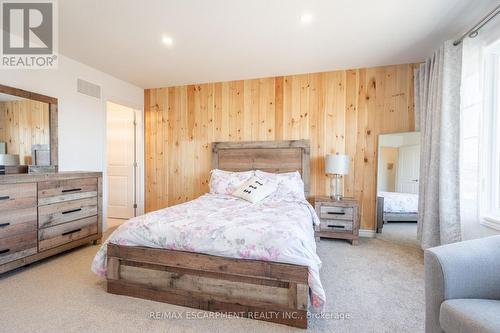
341,111
23,124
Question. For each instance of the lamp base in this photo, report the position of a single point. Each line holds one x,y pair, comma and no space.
335,190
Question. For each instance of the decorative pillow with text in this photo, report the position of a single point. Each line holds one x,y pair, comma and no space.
255,189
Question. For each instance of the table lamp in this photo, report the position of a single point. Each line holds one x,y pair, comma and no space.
336,165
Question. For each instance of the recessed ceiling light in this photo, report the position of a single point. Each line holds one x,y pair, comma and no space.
306,18
167,40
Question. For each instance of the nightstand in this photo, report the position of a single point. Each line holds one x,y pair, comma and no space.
339,218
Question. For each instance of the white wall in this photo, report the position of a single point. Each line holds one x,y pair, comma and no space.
82,119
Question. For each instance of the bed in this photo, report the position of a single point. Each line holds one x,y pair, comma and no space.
220,253
396,207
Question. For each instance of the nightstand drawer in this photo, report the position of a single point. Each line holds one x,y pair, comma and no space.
336,213
336,225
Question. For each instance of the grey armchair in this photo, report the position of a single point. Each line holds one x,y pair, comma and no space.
462,287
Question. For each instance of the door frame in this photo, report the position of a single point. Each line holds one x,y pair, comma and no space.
139,154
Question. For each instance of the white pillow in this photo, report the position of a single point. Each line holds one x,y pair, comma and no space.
255,189
290,184
226,182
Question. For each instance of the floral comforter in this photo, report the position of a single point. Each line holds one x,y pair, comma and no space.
273,229
395,202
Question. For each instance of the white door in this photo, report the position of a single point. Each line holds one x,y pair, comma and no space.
121,161
408,169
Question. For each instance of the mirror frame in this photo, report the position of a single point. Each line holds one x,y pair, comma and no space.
52,115
379,206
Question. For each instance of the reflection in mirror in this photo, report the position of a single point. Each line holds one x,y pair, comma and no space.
24,131
398,178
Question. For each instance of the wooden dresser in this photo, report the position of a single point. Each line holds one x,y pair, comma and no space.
339,218
45,214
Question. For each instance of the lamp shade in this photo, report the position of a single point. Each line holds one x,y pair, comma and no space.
337,164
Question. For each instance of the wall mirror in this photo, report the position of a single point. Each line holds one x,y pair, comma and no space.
398,178
28,131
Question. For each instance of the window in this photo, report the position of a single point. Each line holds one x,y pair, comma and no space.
490,143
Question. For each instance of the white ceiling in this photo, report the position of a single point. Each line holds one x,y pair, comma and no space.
218,40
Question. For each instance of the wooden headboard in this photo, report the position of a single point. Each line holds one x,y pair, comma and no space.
269,156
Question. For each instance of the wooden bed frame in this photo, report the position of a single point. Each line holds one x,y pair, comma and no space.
383,217
255,289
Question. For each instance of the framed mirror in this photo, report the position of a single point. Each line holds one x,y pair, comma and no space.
28,131
398,179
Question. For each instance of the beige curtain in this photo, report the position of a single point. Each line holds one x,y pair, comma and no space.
437,104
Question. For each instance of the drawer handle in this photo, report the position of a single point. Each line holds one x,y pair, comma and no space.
336,226
71,232
5,198
4,251
336,213
71,190
4,225
72,211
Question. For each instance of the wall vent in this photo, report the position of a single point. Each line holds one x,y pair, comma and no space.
88,88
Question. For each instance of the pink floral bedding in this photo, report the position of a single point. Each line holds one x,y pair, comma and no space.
273,229
395,202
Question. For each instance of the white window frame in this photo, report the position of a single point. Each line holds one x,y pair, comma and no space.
490,141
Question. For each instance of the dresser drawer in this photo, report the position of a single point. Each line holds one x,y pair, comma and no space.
14,196
51,215
64,233
16,247
336,213
336,225
56,191
18,221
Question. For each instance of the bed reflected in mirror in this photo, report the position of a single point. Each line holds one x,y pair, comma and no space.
397,184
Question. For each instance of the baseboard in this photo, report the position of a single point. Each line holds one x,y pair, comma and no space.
367,233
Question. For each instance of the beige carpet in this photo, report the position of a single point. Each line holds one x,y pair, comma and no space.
402,233
378,285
